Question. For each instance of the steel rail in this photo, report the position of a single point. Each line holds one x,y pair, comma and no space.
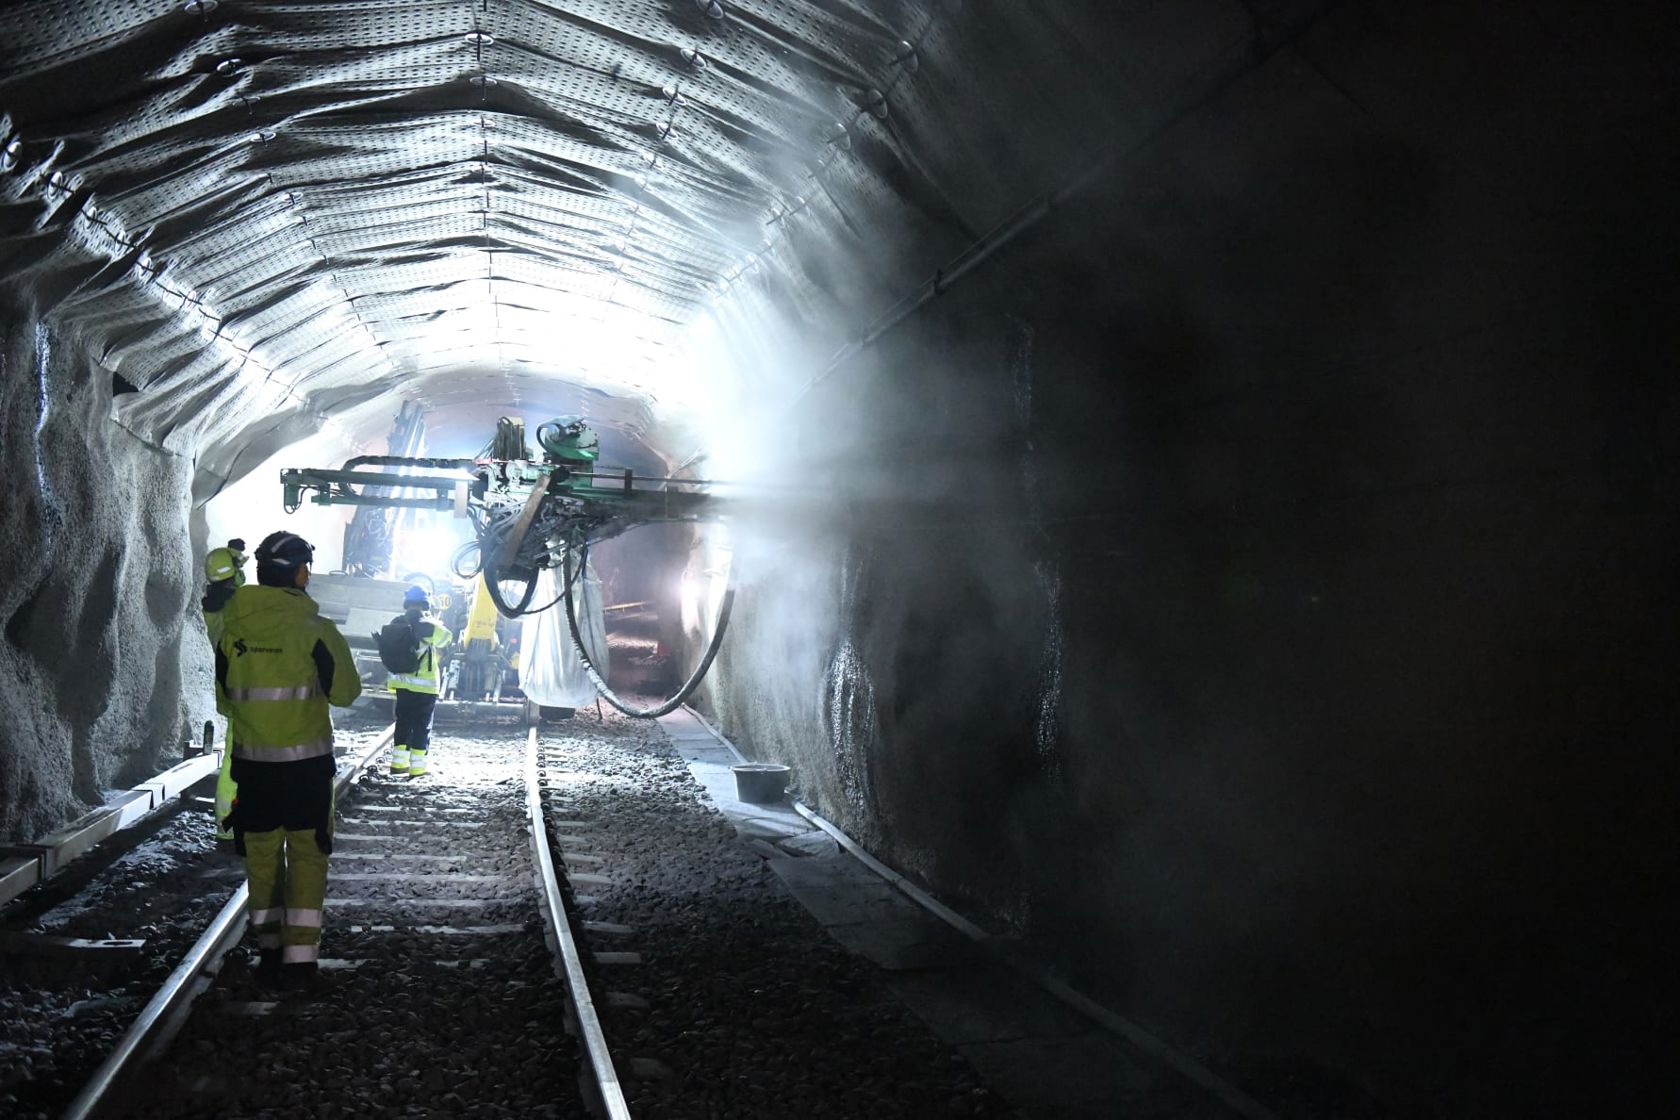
162,1018
603,1089
1234,1098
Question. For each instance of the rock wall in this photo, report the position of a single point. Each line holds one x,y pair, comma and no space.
100,675
1253,584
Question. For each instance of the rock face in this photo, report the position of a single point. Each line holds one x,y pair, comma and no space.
1253,583
100,672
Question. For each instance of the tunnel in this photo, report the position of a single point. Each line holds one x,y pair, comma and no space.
1203,474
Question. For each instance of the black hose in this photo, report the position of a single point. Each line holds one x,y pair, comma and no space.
461,554
689,685
555,602
494,586
550,444
406,461
487,541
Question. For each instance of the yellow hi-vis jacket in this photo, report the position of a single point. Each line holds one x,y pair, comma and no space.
215,598
432,642
278,665
213,627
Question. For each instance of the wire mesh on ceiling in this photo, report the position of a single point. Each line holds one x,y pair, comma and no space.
327,193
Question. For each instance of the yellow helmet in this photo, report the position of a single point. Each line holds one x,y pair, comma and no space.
223,564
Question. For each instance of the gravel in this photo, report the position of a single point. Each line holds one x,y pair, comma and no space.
753,1011
449,1005
160,881
745,1007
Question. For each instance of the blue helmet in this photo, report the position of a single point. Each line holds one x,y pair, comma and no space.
416,597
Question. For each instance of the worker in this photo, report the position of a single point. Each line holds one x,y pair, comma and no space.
224,573
279,664
411,645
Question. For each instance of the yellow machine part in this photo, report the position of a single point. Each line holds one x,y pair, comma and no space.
481,616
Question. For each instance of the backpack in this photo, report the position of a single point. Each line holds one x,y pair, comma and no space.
399,645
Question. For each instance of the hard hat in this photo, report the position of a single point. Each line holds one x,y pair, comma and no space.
224,563
413,595
285,550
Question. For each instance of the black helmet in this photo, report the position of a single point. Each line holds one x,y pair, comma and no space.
285,550
279,557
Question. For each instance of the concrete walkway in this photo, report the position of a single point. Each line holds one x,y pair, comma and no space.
1035,1051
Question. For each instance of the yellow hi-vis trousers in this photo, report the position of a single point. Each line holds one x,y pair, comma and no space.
283,825
227,790
287,873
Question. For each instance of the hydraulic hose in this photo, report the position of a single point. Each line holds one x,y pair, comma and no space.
601,685
555,602
494,586
461,554
487,541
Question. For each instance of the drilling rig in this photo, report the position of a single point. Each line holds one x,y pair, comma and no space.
530,511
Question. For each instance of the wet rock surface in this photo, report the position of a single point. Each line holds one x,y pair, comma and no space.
104,667
752,1010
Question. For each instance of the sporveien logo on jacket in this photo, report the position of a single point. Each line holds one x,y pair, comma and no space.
243,649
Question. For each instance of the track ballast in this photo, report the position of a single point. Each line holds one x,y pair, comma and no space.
438,996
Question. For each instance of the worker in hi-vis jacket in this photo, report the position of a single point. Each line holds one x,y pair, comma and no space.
415,686
278,665
224,573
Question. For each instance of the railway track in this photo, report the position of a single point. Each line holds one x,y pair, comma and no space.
714,993
438,993
85,947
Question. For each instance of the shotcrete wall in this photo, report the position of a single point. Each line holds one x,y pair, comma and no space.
99,674
1254,583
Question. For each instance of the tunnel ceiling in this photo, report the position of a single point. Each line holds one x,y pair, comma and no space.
251,210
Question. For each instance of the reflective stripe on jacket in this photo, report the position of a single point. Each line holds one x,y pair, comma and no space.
278,665
425,678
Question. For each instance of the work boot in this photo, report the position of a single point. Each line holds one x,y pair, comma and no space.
400,760
416,764
268,967
304,976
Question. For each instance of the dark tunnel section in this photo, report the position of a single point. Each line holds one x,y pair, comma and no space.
1250,583
1256,580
